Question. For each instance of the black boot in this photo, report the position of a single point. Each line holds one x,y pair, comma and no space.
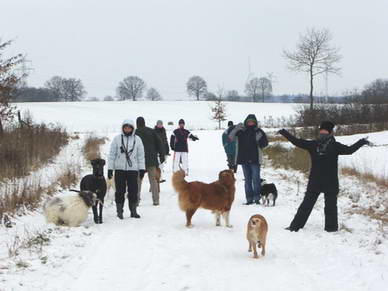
119,208
132,208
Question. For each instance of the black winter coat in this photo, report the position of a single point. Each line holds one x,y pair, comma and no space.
324,168
152,145
163,137
250,142
178,140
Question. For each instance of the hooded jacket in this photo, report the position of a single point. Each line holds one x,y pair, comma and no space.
133,144
152,143
251,140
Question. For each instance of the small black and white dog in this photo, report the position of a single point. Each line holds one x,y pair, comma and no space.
96,183
268,192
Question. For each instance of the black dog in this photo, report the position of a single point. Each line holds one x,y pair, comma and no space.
97,184
268,192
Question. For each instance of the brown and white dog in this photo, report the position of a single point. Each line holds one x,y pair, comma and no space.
217,196
257,234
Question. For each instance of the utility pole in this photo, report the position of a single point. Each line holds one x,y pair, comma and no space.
24,72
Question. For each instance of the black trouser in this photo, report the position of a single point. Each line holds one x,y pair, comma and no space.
304,210
231,162
126,181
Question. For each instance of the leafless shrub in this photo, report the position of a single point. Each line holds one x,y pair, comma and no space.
27,148
91,148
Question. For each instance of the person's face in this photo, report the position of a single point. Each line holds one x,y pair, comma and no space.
251,123
159,125
323,131
127,129
181,125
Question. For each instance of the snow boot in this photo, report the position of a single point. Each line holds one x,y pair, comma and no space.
132,208
119,208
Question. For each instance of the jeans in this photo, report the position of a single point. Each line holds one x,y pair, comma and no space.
252,182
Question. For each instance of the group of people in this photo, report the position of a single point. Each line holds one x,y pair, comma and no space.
139,150
244,144
135,152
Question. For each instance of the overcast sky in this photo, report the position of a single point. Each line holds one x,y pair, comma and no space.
167,41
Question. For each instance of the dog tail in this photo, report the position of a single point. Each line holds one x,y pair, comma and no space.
181,186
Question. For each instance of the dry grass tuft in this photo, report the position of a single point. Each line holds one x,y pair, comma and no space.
294,158
91,149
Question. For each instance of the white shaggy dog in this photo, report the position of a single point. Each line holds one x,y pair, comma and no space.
69,210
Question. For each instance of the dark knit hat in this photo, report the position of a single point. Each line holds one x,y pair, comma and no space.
230,123
140,122
327,125
181,121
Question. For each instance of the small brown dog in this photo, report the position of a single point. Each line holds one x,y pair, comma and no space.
217,196
257,234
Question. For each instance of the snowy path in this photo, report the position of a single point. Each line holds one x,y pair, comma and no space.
157,252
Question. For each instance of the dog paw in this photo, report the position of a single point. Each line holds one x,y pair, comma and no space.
189,225
229,225
255,256
218,224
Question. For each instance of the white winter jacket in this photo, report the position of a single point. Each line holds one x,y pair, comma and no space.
117,159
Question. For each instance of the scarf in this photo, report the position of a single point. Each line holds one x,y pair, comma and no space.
324,143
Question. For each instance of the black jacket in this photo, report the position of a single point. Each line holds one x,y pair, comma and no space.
163,137
178,140
324,168
250,142
152,145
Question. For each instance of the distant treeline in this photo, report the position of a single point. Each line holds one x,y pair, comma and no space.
61,89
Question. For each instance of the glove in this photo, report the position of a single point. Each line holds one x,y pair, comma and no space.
110,174
142,173
282,132
162,159
194,138
364,141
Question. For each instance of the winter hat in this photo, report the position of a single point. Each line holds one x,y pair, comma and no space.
327,125
230,123
181,121
250,117
140,122
159,122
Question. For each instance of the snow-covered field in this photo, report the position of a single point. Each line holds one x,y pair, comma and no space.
105,117
157,252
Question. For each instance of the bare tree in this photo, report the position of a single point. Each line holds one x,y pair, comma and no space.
252,89
153,94
314,55
265,86
8,83
131,87
63,89
376,92
232,95
219,108
196,86
73,89
55,85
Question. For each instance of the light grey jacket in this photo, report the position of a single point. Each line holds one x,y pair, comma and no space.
118,160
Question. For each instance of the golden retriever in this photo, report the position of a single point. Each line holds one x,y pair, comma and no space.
217,196
257,234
